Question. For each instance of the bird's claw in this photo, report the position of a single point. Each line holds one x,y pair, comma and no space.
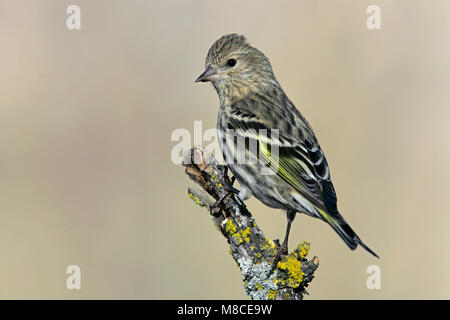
219,202
227,186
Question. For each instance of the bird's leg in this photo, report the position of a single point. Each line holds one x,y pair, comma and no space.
283,248
228,186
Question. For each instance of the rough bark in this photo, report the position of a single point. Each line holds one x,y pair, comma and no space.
252,251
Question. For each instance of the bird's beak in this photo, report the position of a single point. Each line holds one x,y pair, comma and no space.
210,74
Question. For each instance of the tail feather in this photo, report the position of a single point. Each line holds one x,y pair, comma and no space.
345,231
362,244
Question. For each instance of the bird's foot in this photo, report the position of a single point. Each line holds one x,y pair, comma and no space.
219,202
228,183
282,250
227,187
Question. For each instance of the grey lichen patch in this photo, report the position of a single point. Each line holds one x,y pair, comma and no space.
258,284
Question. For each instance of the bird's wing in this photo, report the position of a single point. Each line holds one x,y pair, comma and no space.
300,162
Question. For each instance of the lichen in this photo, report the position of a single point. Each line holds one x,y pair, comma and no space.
286,295
257,283
271,294
302,250
217,182
230,228
293,269
256,271
269,244
196,199
243,235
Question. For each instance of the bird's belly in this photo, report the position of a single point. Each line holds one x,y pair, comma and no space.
268,188
263,184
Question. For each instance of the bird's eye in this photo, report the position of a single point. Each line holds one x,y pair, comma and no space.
231,63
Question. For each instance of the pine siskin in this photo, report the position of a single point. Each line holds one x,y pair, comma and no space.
255,109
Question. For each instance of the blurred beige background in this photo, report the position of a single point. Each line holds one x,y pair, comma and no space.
86,117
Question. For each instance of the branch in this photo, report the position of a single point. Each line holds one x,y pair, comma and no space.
252,251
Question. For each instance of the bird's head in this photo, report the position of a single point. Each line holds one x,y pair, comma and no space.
235,68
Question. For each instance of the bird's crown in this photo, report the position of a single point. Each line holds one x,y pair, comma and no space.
225,45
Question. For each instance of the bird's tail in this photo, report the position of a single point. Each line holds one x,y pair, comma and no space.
337,222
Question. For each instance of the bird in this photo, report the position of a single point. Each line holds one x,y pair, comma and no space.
266,142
